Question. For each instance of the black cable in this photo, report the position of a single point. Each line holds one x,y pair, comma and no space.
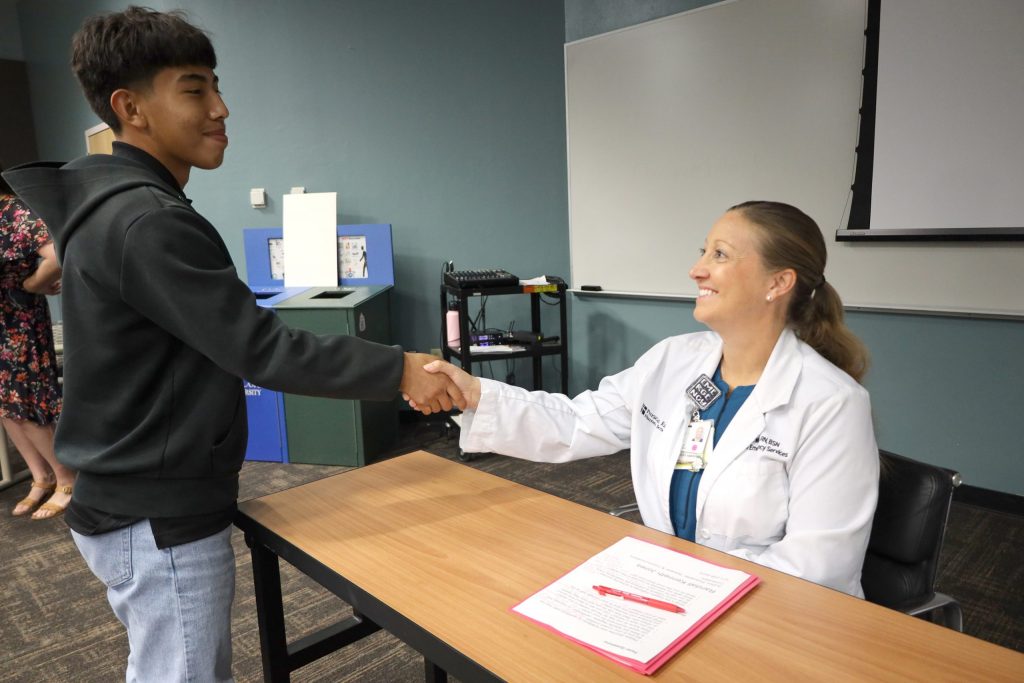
480,318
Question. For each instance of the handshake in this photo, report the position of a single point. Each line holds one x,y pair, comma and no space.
431,385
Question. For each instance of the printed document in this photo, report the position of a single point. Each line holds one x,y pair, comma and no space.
644,629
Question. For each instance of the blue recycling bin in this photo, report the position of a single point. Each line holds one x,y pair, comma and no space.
268,439
268,435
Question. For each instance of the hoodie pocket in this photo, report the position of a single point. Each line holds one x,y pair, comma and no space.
228,452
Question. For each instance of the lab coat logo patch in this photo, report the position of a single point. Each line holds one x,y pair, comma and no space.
652,418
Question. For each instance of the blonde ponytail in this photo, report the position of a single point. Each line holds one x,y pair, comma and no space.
819,323
789,238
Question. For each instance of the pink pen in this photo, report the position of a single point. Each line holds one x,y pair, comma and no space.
632,597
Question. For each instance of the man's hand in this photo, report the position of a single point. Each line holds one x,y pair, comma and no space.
426,392
467,383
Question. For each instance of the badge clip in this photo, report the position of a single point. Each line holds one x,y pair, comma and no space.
703,393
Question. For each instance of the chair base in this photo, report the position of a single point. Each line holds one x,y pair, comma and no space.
623,510
950,613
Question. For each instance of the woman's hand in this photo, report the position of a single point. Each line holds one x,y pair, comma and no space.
51,289
46,277
467,383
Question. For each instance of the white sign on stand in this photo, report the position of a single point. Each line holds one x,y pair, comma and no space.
310,239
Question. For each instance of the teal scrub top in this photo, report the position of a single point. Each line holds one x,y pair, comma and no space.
683,492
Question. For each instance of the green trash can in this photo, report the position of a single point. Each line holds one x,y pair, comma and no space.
325,431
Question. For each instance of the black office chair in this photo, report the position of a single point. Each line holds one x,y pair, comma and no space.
914,499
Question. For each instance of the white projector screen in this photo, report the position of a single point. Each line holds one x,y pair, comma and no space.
941,133
672,121
949,117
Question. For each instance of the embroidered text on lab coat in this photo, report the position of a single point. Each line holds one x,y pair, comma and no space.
769,447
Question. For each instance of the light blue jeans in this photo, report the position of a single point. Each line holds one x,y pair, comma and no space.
175,603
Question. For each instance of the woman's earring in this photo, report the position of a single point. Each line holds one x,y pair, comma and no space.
769,298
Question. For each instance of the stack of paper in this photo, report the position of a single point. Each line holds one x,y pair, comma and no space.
636,602
496,348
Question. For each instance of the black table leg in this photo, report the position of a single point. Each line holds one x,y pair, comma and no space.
433,673
266,575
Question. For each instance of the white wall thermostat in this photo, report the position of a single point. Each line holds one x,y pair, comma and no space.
258,198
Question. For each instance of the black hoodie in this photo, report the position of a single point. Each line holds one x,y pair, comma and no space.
158,329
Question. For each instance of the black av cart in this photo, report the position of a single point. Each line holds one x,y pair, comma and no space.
536,350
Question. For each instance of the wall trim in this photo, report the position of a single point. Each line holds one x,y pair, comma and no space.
997,501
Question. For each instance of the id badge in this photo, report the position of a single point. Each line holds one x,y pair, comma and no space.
696,450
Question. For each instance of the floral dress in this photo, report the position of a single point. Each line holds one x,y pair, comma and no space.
28,362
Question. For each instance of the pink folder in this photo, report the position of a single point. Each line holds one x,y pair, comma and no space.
649,667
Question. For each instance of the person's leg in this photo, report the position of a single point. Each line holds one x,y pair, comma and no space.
175,603
41,438
205,575
42,475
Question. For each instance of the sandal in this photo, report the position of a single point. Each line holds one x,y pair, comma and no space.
30,504
53,508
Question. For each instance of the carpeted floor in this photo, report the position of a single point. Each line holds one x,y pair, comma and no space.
55,624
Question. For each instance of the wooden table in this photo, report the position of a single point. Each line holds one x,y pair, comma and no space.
437,553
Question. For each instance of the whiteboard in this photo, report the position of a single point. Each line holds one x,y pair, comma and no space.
672,121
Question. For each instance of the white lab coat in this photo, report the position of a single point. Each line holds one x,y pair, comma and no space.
792,484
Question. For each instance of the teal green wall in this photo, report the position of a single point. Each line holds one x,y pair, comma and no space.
948,390
444,118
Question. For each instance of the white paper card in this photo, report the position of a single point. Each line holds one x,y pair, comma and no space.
310,239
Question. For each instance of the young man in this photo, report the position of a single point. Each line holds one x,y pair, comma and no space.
158,332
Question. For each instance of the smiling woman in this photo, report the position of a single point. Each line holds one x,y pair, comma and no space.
738,296
762,445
